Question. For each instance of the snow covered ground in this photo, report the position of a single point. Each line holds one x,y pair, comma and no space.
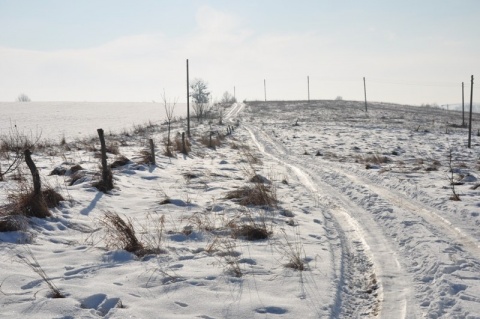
55,120
364,226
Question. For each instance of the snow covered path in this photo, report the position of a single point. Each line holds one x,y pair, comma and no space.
426,266
357,227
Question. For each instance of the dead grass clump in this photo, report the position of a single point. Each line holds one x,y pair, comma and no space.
294,253
12,223
376,159
76,177
251,226
113,148
120,234
178,146
235,146
211,140
25,202
145,157
119,161
52,198
251,232
168,151
258,194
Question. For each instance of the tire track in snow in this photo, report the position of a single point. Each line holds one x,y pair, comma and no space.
429,215
393,293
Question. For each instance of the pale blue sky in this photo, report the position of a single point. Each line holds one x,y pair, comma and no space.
409,51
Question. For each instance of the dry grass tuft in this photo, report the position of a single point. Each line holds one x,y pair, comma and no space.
251,226
258,194
12,223
121,234
119,161
293,252
29,259
25,202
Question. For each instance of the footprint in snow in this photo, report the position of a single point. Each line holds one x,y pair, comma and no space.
101,303
271,310
181,304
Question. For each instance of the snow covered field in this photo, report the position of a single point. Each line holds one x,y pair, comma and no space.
55,120
364,226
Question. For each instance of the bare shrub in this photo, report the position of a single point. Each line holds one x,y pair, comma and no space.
22,97
12,146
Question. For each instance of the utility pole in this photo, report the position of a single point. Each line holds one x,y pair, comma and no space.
470,120
365,91
188,104
308,87
463,108
265,89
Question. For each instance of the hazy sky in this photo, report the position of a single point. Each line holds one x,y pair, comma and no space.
116,50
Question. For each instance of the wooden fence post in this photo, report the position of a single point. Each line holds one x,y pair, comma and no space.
107,182
152,152
188,102
37,186
365,90
470,120
184,146
463,107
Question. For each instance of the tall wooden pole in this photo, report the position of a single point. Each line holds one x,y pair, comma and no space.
265,89
365,91
308,87
470,120
463,107
188,103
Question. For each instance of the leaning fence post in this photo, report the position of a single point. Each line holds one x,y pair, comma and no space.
37,186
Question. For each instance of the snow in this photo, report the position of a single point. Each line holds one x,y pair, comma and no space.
364,203
54,120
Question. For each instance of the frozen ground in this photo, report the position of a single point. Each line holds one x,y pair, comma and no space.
364,205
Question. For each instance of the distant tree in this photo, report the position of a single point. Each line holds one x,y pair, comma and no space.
339,98
228,98
23,98
201,97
